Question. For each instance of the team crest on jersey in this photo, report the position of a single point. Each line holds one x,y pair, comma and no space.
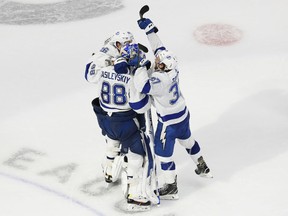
155,80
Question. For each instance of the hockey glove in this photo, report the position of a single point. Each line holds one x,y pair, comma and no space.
121,66
145,63
147,25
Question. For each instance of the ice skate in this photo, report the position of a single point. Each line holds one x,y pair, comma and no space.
202,169
136,198
169,191
132,205
138,205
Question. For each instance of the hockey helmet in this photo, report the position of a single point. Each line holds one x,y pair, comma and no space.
121,37
167,58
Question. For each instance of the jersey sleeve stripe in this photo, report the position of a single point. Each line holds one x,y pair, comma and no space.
158,49
147,87
140,104
110,109
172,116
87,70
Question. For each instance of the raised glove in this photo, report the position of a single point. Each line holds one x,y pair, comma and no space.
147,25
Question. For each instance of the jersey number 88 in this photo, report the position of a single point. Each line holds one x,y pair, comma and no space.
115,94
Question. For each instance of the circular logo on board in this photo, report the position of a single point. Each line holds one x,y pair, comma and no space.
27,12
218,34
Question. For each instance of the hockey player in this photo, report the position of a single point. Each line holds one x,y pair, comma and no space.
111,50
162,83
103,58
117,111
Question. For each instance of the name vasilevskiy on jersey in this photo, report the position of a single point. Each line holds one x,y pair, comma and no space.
115,76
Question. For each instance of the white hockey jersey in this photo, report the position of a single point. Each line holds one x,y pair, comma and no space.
101,59
163,87
116,92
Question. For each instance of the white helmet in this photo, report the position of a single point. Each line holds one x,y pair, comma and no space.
121,37
166,57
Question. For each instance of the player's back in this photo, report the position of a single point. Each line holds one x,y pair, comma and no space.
113,90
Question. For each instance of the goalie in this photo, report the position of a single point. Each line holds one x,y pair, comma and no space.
120,113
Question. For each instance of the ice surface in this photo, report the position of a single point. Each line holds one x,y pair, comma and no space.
51,146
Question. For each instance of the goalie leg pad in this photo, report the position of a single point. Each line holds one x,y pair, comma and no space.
112,164
117,166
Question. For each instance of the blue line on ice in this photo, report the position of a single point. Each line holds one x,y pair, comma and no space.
57,193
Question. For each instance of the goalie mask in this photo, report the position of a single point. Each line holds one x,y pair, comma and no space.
165,60
132,54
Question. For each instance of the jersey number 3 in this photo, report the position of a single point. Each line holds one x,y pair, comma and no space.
175,91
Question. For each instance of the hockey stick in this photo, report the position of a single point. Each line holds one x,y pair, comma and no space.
144,10
153,171
143,48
